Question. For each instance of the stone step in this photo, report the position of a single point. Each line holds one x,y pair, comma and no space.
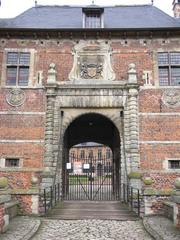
92,210
117,218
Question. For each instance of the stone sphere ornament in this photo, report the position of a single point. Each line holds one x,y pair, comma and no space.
3,182
34,180
177,183
147,181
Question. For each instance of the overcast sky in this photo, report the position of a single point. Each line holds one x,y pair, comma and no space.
12,8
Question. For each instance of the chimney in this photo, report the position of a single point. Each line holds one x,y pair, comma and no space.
176,8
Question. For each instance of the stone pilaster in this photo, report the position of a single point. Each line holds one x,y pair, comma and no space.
133,129
49,169
48,160
125,143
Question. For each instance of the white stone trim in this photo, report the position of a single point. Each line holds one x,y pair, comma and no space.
35,204
21,113
20,141
20,169
159,142
144,87
160,114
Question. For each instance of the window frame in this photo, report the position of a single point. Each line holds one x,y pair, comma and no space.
31,82
170,165
12,159
166,165
169,67
93,11
18,66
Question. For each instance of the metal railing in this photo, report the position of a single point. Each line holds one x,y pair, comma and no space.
132,197
51,196
129,195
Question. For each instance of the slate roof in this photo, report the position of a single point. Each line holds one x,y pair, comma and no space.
70,17
88,144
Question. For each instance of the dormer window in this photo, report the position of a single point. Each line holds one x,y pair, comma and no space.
93,18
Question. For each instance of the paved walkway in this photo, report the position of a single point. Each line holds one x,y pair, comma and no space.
25,228
91,230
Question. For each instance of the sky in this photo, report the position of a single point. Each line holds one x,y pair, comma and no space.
12,8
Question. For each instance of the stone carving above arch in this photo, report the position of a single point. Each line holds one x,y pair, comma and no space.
92,61
171,98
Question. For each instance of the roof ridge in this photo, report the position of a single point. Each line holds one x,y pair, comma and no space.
90,5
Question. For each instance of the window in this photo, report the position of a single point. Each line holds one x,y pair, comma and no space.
174,164
72,155
169,68
108,153
17,71
99,154
82,154
12,162
93,18
90,154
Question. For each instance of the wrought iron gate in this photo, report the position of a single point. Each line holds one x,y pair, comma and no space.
91,179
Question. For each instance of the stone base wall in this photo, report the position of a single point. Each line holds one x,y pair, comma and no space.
153,204
178,216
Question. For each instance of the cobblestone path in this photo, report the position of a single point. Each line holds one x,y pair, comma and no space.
91,230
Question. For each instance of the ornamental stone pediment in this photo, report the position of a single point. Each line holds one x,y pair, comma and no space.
92,61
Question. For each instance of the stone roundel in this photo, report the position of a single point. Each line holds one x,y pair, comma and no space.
15,97
171,98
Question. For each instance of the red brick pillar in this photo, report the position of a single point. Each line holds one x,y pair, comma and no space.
2,212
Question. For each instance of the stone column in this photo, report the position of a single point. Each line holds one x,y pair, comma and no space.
133,140
49,169
125,143
133,129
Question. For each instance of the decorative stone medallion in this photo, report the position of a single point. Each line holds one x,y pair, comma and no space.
15,97
171,98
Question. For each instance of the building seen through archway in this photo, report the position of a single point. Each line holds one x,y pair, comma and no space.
91,170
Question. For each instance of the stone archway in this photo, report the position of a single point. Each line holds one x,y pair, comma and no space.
114,100
93,127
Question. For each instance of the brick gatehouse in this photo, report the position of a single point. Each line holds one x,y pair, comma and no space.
109,75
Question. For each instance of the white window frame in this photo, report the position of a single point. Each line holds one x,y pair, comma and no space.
31,67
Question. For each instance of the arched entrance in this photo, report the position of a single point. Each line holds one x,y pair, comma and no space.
91,178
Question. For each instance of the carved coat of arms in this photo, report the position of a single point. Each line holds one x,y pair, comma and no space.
15,97
171,98
92,61
91,70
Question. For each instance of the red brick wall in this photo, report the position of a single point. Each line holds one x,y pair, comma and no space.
1,216
152,156
31,153
25,203
159,128
150,102
31,127
35,101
